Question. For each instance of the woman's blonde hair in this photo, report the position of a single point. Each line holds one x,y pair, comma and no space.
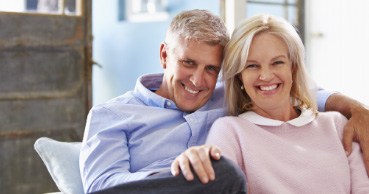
236,53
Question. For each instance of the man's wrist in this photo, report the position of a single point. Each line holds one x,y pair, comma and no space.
358,108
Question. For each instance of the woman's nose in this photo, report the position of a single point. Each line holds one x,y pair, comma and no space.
266,74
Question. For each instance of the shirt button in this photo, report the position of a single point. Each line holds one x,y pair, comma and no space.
169,103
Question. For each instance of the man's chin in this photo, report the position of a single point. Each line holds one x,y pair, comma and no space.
188,108
192,104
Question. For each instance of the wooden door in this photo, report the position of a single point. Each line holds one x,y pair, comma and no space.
45,89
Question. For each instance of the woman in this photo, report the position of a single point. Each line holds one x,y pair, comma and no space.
275,133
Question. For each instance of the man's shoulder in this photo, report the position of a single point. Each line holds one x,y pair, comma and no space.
119,102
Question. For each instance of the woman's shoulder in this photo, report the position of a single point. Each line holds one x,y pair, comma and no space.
230,119
329,115
233,123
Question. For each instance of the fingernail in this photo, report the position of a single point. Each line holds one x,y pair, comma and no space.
212,177
217,155
174,173
205,180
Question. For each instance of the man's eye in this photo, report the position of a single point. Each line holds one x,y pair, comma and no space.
213,69
187,62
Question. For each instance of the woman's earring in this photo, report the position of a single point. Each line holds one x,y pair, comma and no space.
242,88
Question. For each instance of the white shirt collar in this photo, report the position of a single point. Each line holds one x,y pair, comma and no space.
305,117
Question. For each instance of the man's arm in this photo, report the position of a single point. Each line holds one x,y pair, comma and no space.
105,157
357,127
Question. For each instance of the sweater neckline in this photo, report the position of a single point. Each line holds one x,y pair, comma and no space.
305,117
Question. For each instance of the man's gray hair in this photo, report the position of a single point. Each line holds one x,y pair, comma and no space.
198,25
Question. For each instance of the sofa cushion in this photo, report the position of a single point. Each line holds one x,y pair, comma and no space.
61,160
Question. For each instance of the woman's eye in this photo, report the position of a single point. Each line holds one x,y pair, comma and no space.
251,66
278,62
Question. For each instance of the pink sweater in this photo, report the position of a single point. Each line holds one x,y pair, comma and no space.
304,155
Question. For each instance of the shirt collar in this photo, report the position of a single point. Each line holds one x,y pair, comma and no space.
305,117
146,86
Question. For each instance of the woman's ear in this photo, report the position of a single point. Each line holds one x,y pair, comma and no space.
293,68
239,76
163,55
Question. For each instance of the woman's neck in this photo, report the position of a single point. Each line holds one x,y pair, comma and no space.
281,114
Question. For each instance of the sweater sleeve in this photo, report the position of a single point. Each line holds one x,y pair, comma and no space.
225,136
359,177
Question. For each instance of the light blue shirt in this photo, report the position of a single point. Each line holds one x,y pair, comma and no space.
140,133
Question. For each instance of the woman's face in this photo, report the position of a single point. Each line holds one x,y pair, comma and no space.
267,76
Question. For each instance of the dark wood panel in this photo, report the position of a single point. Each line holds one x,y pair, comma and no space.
40,70
45,90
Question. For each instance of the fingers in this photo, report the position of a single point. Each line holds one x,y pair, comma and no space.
205,169
364,144
201,164
215,152
174,168
357,130
184,164
348,136
196,160
361,135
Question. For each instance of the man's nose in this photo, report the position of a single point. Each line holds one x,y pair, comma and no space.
197,77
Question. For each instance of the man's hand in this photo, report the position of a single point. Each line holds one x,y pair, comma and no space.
199,158
357,129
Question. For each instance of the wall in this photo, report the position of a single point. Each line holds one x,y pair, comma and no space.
337,33
125,50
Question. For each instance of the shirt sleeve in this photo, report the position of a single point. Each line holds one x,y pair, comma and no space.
321,94
104,156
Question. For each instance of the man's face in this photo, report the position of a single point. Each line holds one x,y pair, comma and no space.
190,72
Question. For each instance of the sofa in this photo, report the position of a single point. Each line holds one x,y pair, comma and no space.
61,160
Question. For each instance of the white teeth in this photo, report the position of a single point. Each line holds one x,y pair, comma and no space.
191,91
268,88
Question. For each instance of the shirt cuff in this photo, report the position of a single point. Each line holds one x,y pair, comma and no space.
322,96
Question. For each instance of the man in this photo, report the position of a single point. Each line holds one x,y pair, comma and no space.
131,141
134,138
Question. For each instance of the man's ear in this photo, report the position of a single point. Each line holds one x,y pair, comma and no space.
163,55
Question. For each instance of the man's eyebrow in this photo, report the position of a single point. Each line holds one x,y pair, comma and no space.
186,59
